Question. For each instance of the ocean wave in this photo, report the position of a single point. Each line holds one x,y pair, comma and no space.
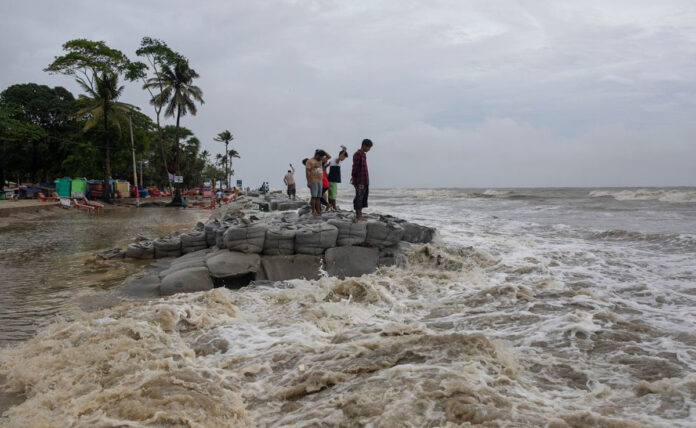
662,195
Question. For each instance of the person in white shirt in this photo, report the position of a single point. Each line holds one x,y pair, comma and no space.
334,175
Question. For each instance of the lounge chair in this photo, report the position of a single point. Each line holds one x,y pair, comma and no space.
43,198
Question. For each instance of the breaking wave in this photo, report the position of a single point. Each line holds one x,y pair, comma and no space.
662,195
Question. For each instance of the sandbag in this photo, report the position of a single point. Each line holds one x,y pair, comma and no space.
245,238
113,253
280,239
210,228
417,234
168,246
141,250
195,238
350,232
383,233
315,238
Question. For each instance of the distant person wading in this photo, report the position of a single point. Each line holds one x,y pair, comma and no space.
360,178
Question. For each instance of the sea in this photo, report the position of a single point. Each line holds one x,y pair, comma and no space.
542,307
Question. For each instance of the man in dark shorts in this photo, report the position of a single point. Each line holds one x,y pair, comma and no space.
360,178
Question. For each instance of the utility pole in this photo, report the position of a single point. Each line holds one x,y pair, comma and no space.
135,168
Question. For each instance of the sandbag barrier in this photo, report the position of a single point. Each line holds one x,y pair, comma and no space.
237,247
288,233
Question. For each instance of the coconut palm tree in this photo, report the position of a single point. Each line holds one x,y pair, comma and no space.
103,108
178,95
225,137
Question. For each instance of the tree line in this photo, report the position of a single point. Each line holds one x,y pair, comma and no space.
47,132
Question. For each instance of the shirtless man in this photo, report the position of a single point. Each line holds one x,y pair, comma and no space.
314,172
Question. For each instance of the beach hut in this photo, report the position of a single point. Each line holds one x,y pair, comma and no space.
63,187
78,188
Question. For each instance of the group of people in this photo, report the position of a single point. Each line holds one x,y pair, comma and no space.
323,175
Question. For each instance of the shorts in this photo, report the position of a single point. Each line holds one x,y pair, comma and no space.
333,190
291,189
315,190
361,195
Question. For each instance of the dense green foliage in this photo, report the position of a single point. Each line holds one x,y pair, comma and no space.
47,133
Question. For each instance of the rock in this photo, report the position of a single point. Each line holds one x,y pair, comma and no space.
246,238
186,281
141,250
315,238
350,232
280,239
113,253
383,234
282,268
224,263
345,262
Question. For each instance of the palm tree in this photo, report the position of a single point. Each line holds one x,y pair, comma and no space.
225,137
178,95
103,108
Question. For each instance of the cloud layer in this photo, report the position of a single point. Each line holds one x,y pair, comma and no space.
472,94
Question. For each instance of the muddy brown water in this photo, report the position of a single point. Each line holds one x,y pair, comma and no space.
48,262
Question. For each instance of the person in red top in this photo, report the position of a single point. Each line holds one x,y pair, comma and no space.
360,178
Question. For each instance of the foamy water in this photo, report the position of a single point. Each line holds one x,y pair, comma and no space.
542,307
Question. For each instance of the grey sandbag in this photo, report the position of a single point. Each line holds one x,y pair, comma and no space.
210,228
383,233
280,239
141,250
246,238
195,238
350,232
315,238
168,246
417,234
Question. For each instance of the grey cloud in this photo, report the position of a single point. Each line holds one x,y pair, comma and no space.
452,93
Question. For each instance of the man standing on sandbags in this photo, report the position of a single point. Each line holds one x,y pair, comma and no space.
315,171
289,180
360,178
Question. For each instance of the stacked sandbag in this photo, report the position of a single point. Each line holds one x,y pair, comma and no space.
417,234
315,238
280,239
350,232
141,250
247,237
384,233
168,246
193,241
210,228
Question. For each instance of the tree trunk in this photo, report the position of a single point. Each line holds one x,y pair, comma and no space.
227,167
2,167
34,159
107,167
161,144
177,192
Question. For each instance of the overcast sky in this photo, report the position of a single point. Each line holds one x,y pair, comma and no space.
453,93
